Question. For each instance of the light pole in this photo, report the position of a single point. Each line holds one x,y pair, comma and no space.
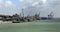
39,13
23,12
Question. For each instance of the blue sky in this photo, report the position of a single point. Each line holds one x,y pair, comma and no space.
10,7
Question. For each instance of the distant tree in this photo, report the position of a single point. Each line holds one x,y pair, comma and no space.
36,16
16,15
16,18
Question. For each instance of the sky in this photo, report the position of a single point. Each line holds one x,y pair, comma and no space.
31,7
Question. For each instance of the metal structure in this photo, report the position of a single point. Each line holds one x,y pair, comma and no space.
50,16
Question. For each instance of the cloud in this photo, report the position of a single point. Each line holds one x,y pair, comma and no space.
44,1
8,3
26,1
29,1
24,7
35,3
1,3
21,0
